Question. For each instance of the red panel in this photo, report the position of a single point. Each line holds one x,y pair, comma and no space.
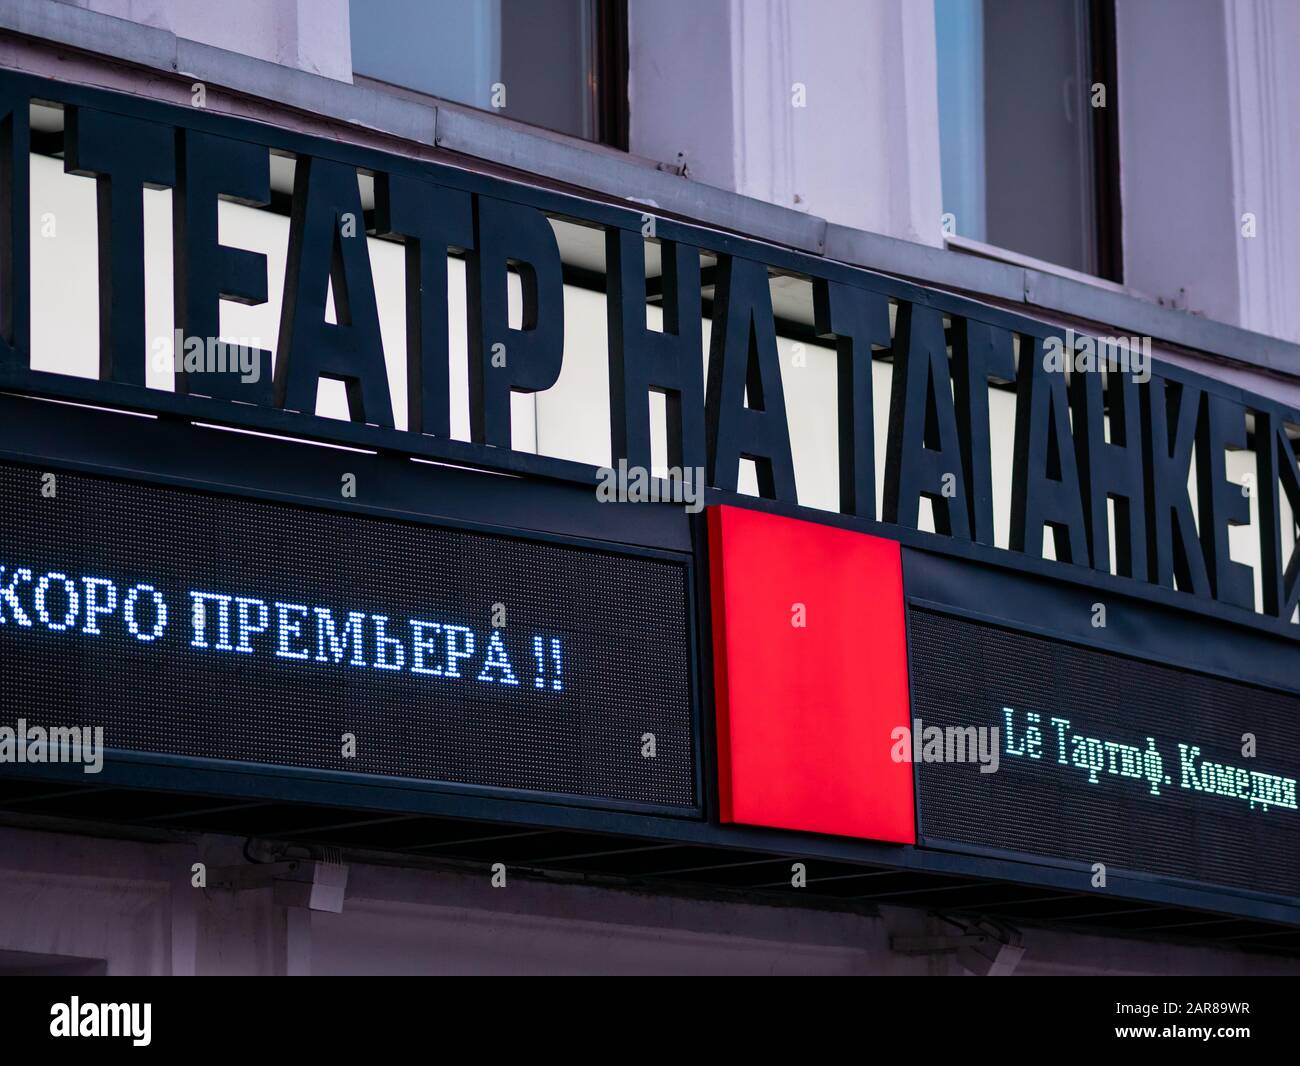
805,713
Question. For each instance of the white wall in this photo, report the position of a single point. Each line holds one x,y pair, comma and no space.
132,904
1208,98
1180,229
310,35
1264,101
716,86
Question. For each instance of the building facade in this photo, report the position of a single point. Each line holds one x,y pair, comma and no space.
993,406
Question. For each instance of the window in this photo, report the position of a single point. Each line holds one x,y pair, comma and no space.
561,64
1028,129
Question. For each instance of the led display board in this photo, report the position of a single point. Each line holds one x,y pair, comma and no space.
201,626
1060,751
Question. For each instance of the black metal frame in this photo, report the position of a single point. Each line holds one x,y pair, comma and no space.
175,452
17,376
99,442
1029,605
549,496
612,118
1105,142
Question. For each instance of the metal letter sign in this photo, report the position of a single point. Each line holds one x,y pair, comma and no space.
520,652
1171,425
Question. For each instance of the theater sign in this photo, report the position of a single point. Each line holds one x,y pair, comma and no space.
526,511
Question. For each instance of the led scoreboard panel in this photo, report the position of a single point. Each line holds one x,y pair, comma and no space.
213,627
1104,758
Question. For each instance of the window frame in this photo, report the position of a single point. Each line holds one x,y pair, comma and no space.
606,89
1102,55
1104,170
613,114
